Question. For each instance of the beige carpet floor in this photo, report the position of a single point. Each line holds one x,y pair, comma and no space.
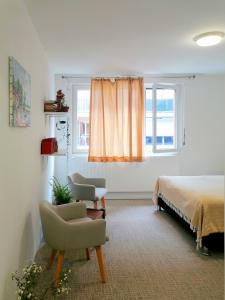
149,256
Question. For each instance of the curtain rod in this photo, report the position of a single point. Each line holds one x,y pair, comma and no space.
169,76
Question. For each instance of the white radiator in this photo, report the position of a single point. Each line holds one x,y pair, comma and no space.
135,177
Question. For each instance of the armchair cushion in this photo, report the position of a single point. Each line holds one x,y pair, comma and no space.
79,220
71,211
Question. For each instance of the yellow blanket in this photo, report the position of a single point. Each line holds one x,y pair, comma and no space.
199,198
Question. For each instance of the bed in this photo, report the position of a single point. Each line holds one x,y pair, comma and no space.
198,200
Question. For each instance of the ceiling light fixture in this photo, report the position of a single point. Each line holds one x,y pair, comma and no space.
209,38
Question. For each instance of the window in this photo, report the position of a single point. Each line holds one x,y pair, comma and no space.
81,108
161,116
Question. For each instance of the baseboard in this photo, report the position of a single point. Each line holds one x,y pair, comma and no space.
129,195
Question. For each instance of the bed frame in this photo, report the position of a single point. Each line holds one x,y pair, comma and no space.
213,241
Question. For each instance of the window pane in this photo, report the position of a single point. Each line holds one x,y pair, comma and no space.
148,119
165,119
168,140
83,103
159,140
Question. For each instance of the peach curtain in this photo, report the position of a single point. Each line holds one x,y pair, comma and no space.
116,120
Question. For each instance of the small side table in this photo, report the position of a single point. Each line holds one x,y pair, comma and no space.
96,213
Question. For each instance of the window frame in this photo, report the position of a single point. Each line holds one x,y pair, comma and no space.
75,127
178,119
179,128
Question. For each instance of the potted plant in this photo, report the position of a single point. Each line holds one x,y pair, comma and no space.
62,193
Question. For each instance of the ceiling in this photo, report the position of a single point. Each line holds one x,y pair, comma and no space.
127,37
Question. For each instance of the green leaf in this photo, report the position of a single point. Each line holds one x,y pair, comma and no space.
62,193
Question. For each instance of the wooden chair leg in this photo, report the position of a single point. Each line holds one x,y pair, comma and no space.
51,258
59,268
95,205
87,253
103,202
101,263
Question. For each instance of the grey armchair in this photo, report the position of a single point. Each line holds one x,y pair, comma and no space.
67,227
83,188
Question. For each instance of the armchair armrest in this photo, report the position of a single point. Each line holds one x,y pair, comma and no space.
84,191
71,211
98,182
88,234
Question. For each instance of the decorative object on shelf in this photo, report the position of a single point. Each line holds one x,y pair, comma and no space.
58,105
49,146
50,106
62,193
30,286
60,100
19,95
65,108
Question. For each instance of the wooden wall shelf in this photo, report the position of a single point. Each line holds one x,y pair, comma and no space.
59,153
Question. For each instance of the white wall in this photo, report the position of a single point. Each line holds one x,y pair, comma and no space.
204,99
205,135
22,169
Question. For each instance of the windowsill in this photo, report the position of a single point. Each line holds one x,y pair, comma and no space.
146,156
79,154
160,154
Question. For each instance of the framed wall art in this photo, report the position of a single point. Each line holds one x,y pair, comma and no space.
19,95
